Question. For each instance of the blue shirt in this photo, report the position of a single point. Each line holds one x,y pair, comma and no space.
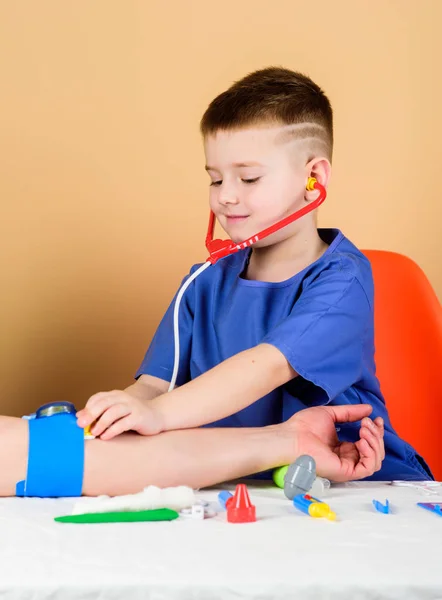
321,319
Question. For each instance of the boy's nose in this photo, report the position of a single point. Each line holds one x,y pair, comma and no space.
228,197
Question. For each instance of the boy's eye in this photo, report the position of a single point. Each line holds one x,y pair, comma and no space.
254,180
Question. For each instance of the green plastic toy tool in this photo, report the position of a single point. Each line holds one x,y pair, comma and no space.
159,514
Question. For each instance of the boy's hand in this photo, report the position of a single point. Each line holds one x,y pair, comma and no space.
114,412
314,430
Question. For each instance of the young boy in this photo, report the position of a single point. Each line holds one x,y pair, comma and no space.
273,331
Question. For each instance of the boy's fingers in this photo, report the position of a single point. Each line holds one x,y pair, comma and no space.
84,418
367,461
378,430
80,413
348,413
112,414
92,412
374,444
85,415
369,424
117,428
96,398
373,432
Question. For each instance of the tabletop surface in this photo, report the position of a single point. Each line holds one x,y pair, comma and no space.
285,554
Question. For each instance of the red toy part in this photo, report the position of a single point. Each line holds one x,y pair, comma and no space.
239,507
220,248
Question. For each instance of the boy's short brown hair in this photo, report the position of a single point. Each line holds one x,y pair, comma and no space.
273,96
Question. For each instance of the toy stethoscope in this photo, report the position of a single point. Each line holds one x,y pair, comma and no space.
220,248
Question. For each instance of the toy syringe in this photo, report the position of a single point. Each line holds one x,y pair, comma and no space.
313,507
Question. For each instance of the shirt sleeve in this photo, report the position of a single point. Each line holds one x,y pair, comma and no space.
323,337
159,358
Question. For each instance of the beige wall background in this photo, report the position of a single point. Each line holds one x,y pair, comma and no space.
102,187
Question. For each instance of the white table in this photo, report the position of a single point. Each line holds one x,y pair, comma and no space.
284,555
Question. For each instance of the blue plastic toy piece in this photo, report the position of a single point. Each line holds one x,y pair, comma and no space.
223,497
55,455
382,508
55,408
435,507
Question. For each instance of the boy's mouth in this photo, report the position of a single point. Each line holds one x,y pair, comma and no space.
236,218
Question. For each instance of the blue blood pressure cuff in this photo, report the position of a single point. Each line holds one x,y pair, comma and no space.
55,453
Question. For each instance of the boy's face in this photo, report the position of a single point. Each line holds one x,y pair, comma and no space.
255,181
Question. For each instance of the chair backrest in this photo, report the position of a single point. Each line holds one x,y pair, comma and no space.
408,341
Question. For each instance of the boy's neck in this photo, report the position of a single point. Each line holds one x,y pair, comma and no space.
285,259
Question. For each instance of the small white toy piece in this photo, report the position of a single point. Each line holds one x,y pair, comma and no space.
320,487
198,512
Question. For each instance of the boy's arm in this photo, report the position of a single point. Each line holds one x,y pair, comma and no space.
229,387
115,467
147,387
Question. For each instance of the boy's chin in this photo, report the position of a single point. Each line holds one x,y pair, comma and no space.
235,236
237,239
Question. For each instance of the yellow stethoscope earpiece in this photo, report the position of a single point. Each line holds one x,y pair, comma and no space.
310,186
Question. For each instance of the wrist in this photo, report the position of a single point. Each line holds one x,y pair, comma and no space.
288,443
157,415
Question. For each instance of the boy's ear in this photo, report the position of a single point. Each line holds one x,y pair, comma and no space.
320,169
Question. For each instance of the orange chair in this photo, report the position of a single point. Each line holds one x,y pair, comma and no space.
408,340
